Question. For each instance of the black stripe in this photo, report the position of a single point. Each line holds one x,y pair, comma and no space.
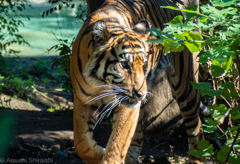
116,31
195,111
114,27
187,120
90,43
115,34
105,74
130,7
181,61
115,82
137,46
91,123
192,126
94,70
126,46
82,90
119,40
127,37
113,52
123,5
149,11
190,104
187,92
111,19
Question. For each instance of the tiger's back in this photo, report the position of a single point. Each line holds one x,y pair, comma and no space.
111,69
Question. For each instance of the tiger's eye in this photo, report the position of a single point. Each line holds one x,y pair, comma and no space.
144,65
124,64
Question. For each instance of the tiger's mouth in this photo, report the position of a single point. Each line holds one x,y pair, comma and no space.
132,100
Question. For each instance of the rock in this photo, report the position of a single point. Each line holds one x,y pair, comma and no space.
55,148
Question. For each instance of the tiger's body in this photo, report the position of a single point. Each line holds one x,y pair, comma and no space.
111,69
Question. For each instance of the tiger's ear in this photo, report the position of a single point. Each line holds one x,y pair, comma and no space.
100,32
141,28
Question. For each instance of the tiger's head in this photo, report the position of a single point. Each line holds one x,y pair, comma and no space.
118,60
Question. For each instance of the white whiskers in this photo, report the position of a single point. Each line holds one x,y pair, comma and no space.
116,99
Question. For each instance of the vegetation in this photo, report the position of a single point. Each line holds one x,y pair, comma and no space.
64,48
217,37
9,25
17,80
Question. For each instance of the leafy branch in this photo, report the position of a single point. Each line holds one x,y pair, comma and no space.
217,37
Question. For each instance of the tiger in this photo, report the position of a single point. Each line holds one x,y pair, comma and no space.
112,69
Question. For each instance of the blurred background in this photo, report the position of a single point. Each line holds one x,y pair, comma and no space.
43,33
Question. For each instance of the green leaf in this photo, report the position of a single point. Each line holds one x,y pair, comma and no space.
226,85
155,41
155,31
181,36
203,20
222,154
210,92
194,36
237,147
195,153
193,46
216,71
177,48
214,13
234,128
216,53
203,144
235,159
230,141
222,3
234,94
184,10
235,114
176,20
49,110
227,64
235,28
191,8
201,85
210,127
208,152
218,111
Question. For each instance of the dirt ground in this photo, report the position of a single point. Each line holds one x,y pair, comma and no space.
39,136
45,137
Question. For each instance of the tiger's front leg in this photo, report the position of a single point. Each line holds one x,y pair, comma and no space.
137,142
84,144
124,125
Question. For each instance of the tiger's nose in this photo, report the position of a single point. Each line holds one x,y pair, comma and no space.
139,95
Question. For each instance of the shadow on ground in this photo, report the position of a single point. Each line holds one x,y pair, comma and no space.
47,137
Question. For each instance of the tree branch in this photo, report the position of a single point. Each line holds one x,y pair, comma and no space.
235,139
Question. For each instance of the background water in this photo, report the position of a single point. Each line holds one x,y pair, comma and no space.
42,33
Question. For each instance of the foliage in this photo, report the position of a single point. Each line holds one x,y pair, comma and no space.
58,4
64,47
217,35
9,25
16,85
19,81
